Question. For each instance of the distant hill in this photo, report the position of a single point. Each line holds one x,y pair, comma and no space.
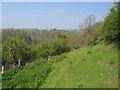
35,37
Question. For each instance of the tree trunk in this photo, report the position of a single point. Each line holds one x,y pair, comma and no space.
19,64
2,69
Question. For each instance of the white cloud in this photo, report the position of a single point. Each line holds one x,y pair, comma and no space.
60,10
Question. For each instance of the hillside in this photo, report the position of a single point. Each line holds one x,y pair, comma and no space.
33,36
87,67
86,57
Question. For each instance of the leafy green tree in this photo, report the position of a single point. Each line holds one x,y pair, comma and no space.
34,53
45,50
15,52
60,45
110,26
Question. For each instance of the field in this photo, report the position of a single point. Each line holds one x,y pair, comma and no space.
87,67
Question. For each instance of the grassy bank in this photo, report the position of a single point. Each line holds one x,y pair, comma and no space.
88,67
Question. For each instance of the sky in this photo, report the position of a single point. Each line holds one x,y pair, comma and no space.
42,15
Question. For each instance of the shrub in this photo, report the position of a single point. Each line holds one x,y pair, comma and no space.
31,76
57,47
110,26
60,45
45,50
14,49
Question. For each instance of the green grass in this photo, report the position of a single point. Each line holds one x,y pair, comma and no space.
88,67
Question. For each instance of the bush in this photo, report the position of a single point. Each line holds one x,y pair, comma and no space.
57,47
60,45
14,49
110,26
96,34
31,76
45,50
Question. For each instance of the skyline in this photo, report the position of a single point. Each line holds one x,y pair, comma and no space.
42,15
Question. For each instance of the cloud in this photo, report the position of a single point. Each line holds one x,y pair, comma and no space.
60,10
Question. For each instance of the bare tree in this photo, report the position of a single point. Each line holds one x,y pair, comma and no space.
88,23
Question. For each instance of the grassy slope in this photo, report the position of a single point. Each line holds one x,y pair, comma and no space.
91,67
30,76
88,67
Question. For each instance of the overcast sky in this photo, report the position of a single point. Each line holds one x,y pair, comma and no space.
42,15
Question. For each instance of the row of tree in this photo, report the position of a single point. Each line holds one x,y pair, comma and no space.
16,52
58,46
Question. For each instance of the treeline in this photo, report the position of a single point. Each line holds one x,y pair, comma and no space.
22,46
17,53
